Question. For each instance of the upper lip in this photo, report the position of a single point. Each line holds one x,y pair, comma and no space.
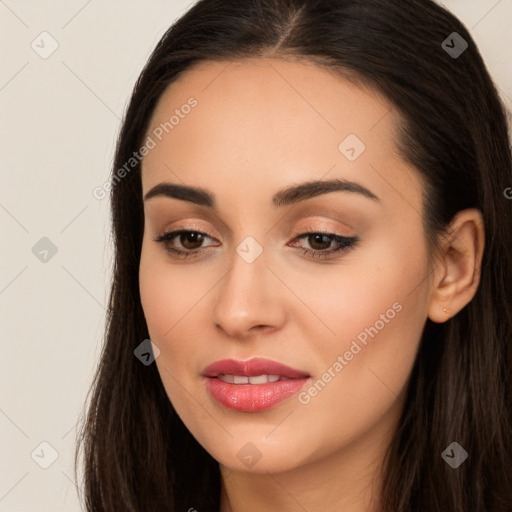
251,368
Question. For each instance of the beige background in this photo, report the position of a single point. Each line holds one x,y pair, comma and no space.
59,120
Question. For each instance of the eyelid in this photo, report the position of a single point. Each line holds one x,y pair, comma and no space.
326,228
190,227
320,225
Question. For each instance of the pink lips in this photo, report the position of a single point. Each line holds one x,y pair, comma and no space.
252,397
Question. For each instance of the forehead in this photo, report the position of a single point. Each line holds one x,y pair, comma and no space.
265,123
263,94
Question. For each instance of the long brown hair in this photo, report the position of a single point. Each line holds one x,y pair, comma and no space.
138,455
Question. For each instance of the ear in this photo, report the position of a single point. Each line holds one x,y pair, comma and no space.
458,266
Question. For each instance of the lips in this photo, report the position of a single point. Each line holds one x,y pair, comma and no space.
253,385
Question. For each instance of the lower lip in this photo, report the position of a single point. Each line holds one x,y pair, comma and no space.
252,397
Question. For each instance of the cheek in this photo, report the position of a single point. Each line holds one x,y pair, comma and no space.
378,292
377,309
157,296
167,293
175,302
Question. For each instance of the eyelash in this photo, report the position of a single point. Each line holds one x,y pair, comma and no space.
345,244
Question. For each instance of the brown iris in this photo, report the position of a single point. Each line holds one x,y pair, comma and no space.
320,239
191,237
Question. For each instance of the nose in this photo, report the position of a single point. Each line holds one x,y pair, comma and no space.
249,299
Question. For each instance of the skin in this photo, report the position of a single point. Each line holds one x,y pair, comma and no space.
262,125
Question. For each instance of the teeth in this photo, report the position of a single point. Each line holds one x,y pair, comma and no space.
257,379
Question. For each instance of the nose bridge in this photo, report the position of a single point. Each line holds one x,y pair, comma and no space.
245,296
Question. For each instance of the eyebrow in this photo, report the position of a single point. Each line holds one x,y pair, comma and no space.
282,198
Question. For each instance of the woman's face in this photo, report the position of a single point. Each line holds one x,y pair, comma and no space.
260,280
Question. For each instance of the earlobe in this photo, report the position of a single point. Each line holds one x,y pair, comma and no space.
457,273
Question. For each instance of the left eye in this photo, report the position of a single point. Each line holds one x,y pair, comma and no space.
192,242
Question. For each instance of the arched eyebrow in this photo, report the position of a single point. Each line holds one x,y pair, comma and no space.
286,197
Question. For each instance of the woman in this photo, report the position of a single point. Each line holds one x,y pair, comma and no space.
311,228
